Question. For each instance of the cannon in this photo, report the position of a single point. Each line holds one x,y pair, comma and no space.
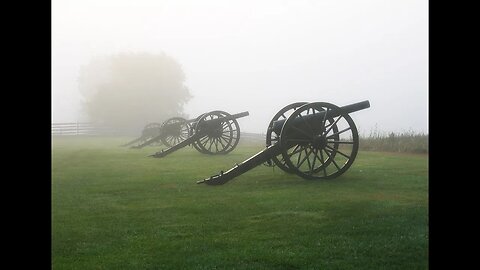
316,140
168,133
214,133
171,132
149,131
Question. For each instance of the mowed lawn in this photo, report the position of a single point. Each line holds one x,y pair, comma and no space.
115,208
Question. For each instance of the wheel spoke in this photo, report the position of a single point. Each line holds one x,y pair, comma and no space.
298,140
299,156
315,150
332,159
226,141
229,131
308,159
295,151
305,158
323,164
333,124
227,138
324,118
339,132
220,141
341,142
225,124
211,143
205,142
338,151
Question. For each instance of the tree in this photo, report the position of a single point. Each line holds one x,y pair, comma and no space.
128,90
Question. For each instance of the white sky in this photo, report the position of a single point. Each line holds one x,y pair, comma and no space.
259,55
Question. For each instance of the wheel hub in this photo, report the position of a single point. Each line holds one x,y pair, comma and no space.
216,132
320,142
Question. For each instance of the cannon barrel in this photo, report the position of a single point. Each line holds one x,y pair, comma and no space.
216,121
277,125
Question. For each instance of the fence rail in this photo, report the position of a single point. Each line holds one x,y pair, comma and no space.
80,129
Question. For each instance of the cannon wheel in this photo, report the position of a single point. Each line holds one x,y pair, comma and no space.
327,147
177,134
150,131
221,139
192,131
273,138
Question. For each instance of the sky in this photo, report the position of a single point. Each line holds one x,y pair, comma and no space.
259,55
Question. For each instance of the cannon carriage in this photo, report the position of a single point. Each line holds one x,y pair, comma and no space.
213,133
316,140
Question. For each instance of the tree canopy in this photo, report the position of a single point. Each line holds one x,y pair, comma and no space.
129,90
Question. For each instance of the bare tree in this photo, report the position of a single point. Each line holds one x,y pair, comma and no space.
128,90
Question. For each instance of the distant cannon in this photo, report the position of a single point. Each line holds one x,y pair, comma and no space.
168,133
315,140
149,131
171,132
213,133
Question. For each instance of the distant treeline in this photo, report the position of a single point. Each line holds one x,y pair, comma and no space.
410,142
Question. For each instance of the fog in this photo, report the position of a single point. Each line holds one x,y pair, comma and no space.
259,56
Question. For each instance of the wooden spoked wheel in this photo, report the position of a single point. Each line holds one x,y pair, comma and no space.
175,130
322,146
220,138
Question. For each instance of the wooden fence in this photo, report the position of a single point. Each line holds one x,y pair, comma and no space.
80,129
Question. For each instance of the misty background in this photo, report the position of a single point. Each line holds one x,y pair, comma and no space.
258,56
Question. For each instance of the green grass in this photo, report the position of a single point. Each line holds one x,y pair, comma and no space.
116,208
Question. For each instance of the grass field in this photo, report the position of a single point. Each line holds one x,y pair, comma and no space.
116,208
